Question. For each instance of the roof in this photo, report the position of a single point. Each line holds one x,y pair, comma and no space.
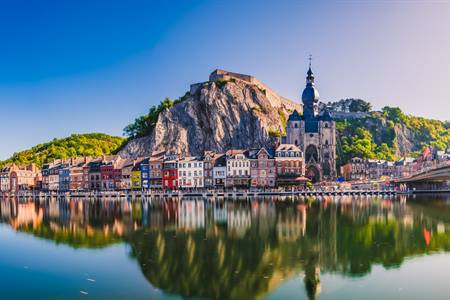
254,153
295,116
189,158
288,147
234,152
220,161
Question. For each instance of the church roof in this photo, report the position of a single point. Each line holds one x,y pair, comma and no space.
310,94
295,116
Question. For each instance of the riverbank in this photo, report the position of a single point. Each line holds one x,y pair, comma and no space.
197,194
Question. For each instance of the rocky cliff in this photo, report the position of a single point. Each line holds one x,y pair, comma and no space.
228,111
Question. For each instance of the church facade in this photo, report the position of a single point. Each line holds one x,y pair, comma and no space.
314,133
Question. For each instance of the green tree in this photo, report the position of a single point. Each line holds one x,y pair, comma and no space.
358,105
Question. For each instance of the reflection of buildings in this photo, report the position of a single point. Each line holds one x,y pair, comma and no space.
291,225
191,214
27,214
239,220
220,212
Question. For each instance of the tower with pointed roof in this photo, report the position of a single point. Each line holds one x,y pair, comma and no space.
314,133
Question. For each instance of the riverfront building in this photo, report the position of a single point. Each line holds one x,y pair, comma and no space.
290,165
190,172
263,168
155,170
220,171
14,178
170,172
238,168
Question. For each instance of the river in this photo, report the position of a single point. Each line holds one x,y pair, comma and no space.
329,248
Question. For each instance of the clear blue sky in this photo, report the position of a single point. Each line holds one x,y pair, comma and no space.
93,66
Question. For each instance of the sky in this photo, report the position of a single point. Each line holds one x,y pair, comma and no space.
94,66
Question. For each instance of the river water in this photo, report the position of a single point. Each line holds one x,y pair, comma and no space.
329,248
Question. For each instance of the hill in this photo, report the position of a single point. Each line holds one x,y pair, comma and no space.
92,144
389,134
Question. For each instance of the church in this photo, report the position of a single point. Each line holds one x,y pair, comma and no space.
314,133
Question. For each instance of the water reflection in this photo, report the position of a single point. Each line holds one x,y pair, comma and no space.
244,249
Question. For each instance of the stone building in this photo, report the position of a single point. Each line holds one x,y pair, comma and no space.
314,133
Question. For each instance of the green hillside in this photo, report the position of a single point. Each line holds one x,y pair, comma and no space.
388,134
92,144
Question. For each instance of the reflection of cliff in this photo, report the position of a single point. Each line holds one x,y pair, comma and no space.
189,265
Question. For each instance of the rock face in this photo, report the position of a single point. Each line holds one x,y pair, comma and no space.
228,111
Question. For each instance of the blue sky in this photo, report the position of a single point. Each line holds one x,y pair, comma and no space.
93,66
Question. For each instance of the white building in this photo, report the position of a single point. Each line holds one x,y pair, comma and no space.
190,173
4,180
238,168
220,171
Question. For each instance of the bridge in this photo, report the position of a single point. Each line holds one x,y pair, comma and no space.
431,177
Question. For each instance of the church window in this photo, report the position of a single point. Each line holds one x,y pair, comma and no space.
326,142
296,143
311,153
326,125
296,125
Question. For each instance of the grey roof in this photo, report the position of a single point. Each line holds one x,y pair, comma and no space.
295,116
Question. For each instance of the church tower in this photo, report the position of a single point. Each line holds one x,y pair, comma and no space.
315,133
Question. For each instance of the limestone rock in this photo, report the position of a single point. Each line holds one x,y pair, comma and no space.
219,114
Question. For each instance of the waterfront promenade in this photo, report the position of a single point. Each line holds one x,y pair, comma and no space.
216,194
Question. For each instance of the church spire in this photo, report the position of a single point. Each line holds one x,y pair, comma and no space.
310,77
310,95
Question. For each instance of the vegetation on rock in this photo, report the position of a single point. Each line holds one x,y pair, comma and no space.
93,144
376,135
143,125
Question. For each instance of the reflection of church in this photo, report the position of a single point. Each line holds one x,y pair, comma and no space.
314,133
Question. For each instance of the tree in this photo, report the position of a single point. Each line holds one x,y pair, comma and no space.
358,105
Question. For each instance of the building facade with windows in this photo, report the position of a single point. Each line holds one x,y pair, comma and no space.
155,171
220,171
290,165
190,172
263,168
170,172
238,168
